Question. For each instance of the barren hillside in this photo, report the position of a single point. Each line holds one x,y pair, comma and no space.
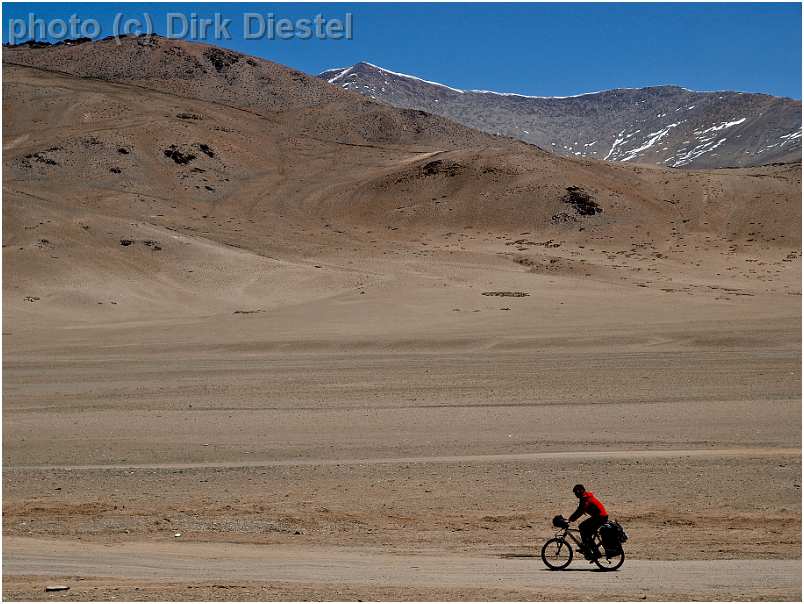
107,144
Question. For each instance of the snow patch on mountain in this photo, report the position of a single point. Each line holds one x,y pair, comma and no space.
652,139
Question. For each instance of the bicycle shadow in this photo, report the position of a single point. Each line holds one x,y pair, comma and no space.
591,569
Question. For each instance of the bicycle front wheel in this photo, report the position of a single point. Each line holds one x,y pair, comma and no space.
556,554
610,562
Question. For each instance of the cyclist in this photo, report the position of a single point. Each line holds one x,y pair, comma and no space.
588,504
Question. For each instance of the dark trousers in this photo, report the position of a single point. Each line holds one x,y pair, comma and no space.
588,528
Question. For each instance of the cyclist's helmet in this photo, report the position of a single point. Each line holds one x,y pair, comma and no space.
560,522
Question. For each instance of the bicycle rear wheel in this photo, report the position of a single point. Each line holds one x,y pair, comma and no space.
610,562
556,554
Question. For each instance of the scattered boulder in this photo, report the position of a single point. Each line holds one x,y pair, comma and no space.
77,41
563,218
146,40
178,156
41,157
90,141
507,294
43,44
30,44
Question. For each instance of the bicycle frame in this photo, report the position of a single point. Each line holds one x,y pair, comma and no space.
571,533
568,532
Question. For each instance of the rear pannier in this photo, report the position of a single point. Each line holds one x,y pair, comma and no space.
612,535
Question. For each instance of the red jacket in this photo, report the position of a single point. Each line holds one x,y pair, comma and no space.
589,504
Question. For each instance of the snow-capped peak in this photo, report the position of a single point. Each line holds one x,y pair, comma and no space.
351,69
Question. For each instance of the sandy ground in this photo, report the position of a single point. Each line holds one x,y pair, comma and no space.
288,353
371,573
454,449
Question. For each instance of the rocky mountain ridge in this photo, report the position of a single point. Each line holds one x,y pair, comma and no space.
666,125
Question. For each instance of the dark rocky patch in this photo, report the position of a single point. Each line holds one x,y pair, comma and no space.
439,166
206,150
583,203
414,113
221,59
178,156
41,158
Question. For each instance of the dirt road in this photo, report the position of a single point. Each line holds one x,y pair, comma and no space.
445,459
202,562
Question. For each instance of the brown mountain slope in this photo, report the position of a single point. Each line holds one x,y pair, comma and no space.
231,196
304,103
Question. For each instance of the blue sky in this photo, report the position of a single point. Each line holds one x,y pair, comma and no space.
538,49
